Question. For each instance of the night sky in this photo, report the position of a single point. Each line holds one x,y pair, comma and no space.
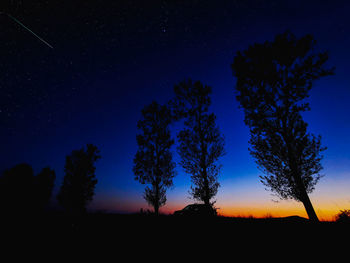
111,58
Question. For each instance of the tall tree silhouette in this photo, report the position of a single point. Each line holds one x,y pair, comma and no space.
201,144
44,183
79,181
153,162
273,79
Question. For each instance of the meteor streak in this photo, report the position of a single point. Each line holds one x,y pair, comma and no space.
21,24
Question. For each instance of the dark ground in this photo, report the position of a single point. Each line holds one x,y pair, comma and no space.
166,226
167,238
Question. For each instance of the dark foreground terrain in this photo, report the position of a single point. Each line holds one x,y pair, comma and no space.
164,238
169,226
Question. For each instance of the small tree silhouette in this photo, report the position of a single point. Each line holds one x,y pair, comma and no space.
79,181
273,79
201,144
153,161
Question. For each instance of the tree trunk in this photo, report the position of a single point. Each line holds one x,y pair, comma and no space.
207,202
309,208
156,205
304,198
206,198
156,209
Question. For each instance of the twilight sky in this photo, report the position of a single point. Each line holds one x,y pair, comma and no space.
111,58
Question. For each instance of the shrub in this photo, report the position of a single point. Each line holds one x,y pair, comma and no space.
343,216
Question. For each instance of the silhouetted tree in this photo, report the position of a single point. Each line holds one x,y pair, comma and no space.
79,181
44,183
17,189
201,144
273,79
22,192
153,162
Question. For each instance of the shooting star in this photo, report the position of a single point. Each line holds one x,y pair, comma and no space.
21,24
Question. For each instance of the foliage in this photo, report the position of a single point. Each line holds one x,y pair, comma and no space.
273,79
153,162
21,191
343,216
45,182
79,182
200,142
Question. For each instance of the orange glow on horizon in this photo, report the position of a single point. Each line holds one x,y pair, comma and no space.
323,213
242,199
269,209
326,211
